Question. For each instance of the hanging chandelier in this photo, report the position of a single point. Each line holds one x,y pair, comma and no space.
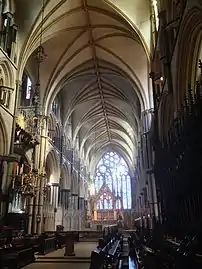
35,117
29,184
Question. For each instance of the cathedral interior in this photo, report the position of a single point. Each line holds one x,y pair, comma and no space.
100,133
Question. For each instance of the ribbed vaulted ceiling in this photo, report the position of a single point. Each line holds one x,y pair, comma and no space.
98,65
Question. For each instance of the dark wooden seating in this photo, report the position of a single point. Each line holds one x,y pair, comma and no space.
17,254
47,244
108,255
61,240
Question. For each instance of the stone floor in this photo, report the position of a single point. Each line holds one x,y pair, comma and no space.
57,260
58,266
82,249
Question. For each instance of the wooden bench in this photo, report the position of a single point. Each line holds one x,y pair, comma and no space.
16,257
47,245
108,255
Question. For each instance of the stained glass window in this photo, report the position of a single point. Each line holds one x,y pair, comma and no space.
29,88
112,174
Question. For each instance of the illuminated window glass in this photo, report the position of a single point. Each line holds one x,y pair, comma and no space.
112,171
29,88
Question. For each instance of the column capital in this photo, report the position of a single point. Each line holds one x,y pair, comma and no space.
150,171
74,194
55,184
18,82
65,190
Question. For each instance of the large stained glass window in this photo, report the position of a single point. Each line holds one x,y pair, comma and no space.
112,183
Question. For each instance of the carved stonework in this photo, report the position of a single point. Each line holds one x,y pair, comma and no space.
32,122
23,140
20,120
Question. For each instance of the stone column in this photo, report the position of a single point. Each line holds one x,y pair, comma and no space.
153,195
30,212
70,209
40,205
35,209
1,15
95,211
65,206
3,173
6,27
74,211
55,187
4,187
65,199
13,33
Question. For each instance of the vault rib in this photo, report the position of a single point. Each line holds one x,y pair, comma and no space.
97,72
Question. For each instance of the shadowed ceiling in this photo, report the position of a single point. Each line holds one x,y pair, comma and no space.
98,65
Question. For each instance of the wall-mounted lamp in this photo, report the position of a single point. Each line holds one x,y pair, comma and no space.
38,218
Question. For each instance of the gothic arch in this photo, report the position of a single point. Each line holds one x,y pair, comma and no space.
53,167
74,183
187,53
65,178
6,73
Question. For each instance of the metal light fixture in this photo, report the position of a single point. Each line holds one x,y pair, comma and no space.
27,184
33,115
38,218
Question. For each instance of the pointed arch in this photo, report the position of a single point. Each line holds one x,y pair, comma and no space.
7,73
53,167
187,53
65,177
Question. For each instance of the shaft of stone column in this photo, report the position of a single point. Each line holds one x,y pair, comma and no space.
40,206
3,181
30,208
154,196
36,203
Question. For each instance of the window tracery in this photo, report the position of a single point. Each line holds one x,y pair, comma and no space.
112,183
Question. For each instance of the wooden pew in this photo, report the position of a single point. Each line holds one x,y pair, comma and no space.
107,255
17,254
47,244
113,255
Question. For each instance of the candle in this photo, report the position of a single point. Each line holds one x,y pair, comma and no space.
13,183
22,180
17,169
21,169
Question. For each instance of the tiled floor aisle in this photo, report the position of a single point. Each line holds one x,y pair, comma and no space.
58,266
82,249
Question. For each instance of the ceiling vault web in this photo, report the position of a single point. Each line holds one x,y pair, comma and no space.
96,66
97,71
